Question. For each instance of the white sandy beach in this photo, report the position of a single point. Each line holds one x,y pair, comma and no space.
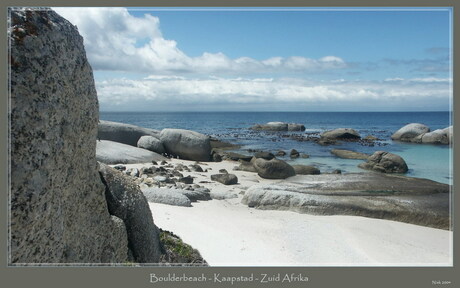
228,233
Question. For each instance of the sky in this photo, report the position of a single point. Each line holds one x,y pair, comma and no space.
267,59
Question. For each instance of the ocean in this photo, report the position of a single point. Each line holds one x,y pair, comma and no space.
433,162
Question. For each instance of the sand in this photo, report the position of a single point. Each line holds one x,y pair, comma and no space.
228,233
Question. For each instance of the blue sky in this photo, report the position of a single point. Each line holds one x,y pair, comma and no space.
286,59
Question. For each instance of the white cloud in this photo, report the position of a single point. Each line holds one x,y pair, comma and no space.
179,91
115,40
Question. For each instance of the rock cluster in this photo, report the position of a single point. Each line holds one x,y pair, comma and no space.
184,144
123,133
279,126
420,133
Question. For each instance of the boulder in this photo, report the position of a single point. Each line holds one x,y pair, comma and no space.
264,155
186,144
296,127
58,211
383,196
166,196
385,162
126,201
236,156
198,194
410,131
186,180
110,152
449,131
281,153
273,169
341,134
271,126
245,166
123,133
151,143
225,178
305,170
294,154
347,154
439,136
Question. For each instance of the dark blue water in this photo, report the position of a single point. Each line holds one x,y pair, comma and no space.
425,161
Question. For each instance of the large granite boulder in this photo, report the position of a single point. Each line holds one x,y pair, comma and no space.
123,133
110,152
385,162
347,154
410,131
186,144
273,169
411,200
58,211
439,136
151,143
306,170
341,134
126,201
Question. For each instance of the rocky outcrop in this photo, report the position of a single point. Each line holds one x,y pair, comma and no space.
151,143
341,134
439,136
273,169
126,201
123,133
225,178
110,152
411,200
347,154
58,210
279,126
385,162
306,170
419,133
410,131
186,144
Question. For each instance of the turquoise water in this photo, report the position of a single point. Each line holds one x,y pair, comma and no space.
424,161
